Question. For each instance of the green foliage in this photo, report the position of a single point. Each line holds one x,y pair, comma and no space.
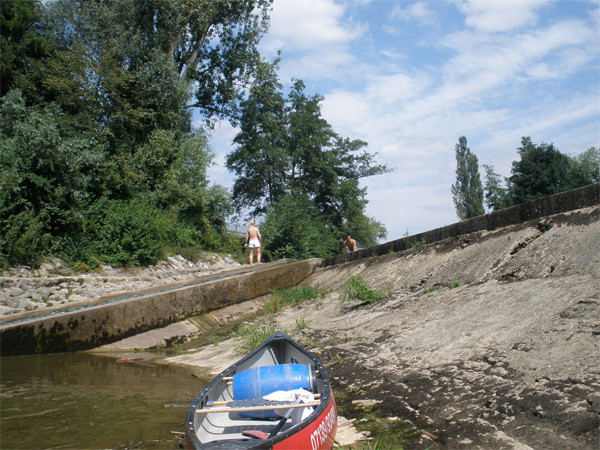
429,290
95,117
357,289
585,168
23,47
542,171
418,244
286,147
23,240
467,192
254,335
282,298
294,229
128,233
495,193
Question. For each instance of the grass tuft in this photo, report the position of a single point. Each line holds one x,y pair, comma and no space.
357,289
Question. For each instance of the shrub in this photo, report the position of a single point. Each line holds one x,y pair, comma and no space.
289,297
23,240
129,233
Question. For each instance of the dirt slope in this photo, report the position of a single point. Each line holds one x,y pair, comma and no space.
490,340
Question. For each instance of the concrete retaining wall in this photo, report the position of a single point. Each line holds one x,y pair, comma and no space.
555,204
87,327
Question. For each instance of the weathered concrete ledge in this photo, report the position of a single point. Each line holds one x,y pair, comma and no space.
547,206
89,326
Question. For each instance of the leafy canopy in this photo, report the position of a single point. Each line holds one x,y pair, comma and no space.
286,148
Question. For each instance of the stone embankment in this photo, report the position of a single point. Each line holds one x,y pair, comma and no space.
489,340
54,285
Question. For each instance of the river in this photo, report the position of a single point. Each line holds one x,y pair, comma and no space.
87,401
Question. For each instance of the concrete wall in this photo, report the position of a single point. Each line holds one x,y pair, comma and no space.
555,204
92,326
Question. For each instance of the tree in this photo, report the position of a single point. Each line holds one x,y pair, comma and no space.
285,147
294,228
467,192
585,168
541,171
22,46
104,91
495,193
260,160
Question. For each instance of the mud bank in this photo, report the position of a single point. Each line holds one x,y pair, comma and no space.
488,340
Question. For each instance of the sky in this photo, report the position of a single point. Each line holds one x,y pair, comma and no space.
411,77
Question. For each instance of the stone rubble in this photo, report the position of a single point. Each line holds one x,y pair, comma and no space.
54,284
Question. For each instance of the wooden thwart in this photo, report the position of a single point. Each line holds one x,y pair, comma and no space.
282,405
220,403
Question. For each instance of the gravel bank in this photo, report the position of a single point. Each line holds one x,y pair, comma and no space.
54,285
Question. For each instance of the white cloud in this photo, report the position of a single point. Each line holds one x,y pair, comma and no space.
500,15
309,25
419,11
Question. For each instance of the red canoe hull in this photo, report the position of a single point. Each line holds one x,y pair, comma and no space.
318,435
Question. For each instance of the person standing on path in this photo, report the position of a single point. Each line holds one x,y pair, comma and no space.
253,241
350,243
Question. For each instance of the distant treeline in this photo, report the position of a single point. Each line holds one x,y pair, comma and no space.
541,171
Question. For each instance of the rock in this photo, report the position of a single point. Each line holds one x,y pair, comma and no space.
14,291
44,283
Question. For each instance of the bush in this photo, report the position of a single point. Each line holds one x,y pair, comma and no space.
129,232
23,239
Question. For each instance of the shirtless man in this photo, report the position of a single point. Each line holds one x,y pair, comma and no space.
350,243
253,241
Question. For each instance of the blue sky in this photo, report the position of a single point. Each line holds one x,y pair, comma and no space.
411,77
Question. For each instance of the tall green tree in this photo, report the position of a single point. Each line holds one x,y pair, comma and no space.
495,192
209,46
585,168
23,46
260,161
541,171
467,192
285,147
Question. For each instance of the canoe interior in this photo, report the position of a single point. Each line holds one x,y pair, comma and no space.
225,428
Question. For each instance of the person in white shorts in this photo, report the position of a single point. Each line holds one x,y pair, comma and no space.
253,241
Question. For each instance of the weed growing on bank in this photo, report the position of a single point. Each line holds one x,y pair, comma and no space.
254,335
430,290
357,289
282,298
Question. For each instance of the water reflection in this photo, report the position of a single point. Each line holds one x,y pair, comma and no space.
87,401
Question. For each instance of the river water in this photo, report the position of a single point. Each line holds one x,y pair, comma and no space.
86,401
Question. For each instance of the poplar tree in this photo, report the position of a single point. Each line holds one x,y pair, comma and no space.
467,192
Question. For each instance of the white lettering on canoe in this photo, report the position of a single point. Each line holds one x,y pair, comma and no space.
318,437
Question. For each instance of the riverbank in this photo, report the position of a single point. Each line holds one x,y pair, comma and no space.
55,285
488,340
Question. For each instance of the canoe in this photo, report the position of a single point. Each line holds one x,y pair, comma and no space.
231,413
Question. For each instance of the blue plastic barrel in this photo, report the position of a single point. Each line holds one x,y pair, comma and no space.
254,383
